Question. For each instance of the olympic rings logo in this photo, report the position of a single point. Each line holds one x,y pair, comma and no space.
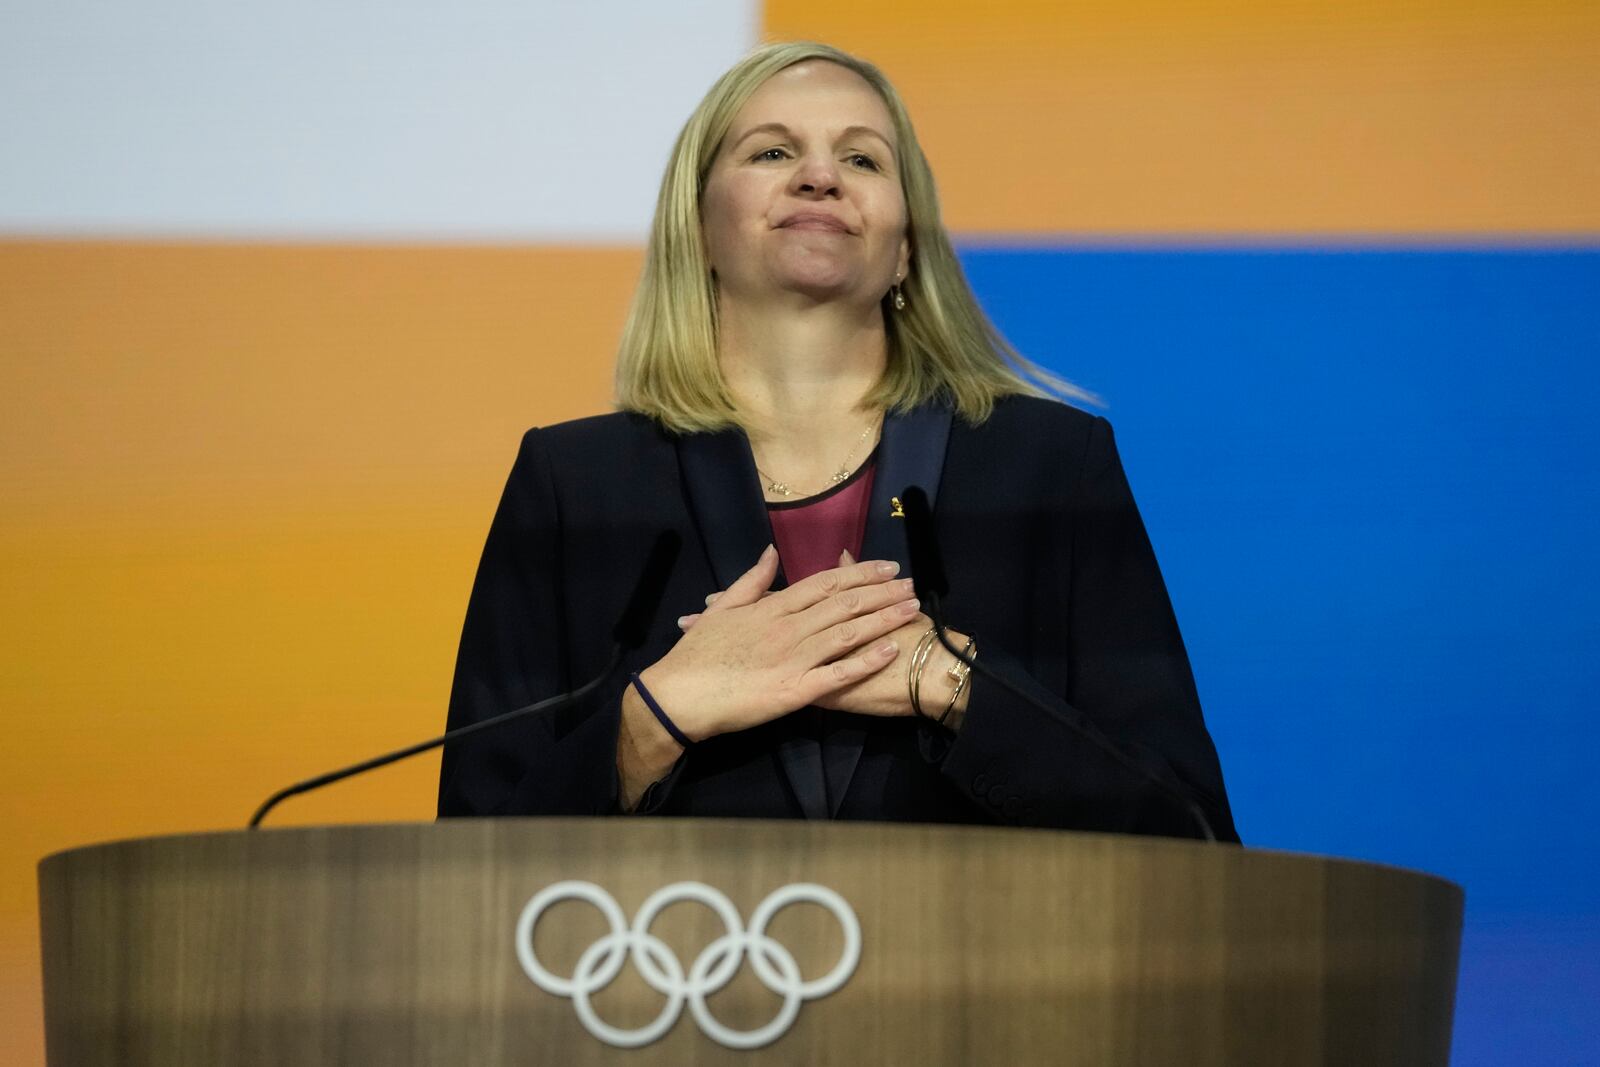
713,969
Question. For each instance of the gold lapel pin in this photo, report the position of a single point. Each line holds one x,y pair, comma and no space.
895,510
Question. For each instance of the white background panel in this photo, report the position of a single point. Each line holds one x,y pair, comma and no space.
485,119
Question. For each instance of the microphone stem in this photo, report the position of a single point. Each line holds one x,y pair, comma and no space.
931,604
453,735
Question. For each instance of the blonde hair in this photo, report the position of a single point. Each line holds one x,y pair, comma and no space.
940,345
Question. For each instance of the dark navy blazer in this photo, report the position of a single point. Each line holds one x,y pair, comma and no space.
1049,566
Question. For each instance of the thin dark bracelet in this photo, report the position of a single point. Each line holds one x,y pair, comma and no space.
655,709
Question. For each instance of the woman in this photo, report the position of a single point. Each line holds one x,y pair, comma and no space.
801,348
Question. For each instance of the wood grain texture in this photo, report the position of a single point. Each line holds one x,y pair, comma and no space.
394,944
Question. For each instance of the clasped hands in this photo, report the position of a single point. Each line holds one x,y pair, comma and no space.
839,639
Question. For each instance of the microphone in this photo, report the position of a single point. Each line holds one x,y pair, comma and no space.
634,624
931,584
630,632
927,564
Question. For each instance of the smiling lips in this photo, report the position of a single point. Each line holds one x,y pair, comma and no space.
814,220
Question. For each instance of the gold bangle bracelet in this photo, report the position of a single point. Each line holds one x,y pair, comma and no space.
962,674
919,659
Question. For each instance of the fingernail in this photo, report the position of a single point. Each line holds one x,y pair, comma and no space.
888,648
712,599
909,607
889,567
681,619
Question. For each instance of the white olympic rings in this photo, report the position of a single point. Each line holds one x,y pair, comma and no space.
713,969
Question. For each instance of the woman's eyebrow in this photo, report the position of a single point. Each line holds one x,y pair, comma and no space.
870,132
781,129
765,127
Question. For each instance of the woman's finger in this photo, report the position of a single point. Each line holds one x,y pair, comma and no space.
851,603
686,621
858,630
824,584
845,558
750,586
848,670
713,598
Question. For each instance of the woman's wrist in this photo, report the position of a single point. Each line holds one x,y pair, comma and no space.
645,750
958,710
660,713
939,684
959,672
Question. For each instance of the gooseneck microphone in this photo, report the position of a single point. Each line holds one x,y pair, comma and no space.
932,585
633,626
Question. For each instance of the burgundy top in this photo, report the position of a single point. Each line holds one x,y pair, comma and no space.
811,533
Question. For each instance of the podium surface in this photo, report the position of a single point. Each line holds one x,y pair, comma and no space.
563,941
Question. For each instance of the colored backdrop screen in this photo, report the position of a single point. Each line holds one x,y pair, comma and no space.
1370,476
273,317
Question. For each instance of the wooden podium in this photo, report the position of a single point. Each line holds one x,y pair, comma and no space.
419,944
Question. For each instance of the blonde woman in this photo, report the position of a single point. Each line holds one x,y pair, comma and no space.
801,348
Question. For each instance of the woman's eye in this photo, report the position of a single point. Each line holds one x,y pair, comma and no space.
772,154
862,160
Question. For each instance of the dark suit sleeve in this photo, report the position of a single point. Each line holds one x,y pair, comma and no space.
514,652
1128,682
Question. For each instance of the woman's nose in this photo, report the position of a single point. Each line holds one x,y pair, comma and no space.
816,176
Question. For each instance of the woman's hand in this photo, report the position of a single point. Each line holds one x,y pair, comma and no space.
754,655
887,690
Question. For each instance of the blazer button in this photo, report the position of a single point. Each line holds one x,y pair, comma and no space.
980,784
1012,807
997,795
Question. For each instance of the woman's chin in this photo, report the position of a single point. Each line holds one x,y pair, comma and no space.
820,277
820,294
823,287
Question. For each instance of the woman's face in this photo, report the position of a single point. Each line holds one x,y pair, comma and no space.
804,194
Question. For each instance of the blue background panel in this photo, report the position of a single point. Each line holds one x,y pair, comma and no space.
1371,479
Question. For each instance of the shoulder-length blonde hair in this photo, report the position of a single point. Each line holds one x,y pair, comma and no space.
940,345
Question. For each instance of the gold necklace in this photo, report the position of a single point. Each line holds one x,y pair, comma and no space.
777,487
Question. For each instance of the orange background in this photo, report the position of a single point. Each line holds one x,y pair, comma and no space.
1243,118
243,487
242,493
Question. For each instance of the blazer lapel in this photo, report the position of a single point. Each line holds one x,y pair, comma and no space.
720,481
911,453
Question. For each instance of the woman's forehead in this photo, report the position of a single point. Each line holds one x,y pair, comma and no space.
813,88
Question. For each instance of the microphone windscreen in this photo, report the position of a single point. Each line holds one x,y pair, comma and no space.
927,565
634,625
